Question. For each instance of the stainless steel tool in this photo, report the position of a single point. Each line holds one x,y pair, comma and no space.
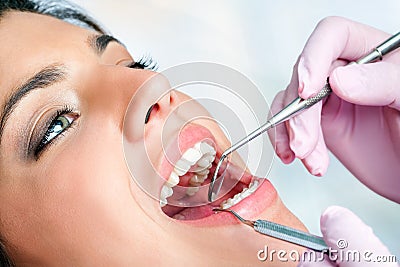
294,108
282,232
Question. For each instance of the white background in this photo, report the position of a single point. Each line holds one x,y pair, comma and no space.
261,39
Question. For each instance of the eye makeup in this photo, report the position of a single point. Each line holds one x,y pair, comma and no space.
144,62
54,123
51,126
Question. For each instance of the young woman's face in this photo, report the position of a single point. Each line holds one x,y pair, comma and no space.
67,197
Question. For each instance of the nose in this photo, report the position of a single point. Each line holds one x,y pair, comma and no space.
112,92
119,91
151,103
155,96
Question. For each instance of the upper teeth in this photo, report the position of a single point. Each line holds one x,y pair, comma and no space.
191,155
200,157
226,204
173,180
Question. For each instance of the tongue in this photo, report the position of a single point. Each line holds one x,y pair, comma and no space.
232,176
200,212
195,213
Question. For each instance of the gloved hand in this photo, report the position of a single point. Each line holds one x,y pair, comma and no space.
344,232
360,120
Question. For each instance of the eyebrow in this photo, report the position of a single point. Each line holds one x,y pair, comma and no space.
99,42
46,77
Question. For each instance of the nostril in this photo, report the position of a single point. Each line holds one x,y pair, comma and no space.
153,107
172,96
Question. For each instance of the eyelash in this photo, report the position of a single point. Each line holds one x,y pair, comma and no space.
46,140
144,62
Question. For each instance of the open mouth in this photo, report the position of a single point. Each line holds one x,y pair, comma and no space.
194,169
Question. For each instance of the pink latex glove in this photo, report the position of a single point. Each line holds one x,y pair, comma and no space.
344,232
360,121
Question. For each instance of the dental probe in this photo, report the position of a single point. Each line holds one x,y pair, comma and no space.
297,105
284,233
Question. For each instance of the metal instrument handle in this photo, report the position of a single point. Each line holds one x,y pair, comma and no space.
291,235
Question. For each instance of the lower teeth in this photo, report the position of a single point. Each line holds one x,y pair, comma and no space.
226,204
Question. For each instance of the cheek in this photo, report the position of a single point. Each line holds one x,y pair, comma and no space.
90,184
80,199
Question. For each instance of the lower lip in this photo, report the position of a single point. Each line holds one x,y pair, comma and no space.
250,207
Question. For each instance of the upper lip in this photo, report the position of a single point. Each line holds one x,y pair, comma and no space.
188,137
251,205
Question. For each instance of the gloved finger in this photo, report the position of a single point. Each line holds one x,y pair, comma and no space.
303,128
304,131
292,89
317,162
374,84
344,231
279,136
333,38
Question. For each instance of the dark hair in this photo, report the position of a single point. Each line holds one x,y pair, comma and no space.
60,9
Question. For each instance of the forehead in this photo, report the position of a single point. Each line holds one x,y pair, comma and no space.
31,41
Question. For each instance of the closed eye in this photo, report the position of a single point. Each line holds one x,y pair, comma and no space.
145,62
